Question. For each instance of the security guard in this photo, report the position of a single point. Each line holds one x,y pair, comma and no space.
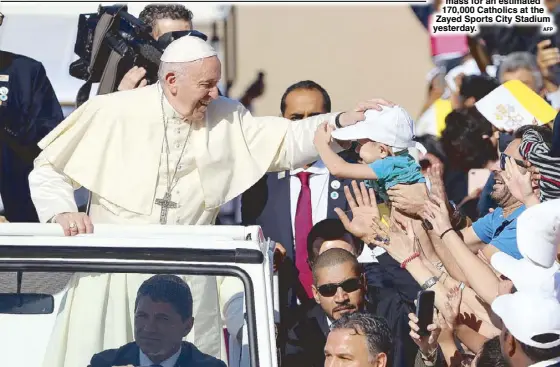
29,110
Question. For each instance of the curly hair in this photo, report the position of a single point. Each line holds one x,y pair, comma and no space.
154,12
462,139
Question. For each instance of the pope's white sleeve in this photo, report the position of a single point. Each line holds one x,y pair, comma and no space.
297,148
51,191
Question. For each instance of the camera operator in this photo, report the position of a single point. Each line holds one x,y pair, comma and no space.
163,18
29,110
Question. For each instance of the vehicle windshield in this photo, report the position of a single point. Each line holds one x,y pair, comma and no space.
120,319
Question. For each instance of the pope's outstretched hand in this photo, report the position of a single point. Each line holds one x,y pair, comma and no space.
351,117
74,223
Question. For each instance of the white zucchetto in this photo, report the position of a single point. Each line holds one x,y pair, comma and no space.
187,49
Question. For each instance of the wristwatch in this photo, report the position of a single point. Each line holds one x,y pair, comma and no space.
429,283
337,121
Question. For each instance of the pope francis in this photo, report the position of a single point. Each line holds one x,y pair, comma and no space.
170,153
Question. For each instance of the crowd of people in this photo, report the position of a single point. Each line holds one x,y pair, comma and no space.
369,209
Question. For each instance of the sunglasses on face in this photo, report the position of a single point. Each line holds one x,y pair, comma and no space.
503,159
348,286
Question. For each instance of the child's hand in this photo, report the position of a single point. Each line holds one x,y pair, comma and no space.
323,134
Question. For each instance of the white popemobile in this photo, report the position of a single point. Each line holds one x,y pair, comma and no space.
241,253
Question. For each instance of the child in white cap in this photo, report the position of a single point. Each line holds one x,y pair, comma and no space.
383,141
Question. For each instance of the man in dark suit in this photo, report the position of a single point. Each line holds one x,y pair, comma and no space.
163,317
390,290
277,202
29,110
339,287
287,204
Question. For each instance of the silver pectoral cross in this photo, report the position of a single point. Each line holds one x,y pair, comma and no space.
165,204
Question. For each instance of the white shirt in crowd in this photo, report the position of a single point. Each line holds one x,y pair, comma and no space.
319,185
169,362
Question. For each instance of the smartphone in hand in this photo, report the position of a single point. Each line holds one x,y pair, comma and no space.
425,311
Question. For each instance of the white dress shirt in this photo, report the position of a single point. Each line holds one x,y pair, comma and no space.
319,185
169,362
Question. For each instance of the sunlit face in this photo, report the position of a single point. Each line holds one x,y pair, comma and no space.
159,329
342,301
524,75
304,103
500,192
194,89
164,26
370,151
346,348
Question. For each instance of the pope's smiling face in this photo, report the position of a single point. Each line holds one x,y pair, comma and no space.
195,87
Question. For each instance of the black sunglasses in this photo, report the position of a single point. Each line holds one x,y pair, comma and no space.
503,160
348,286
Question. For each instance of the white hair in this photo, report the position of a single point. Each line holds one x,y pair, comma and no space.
180,69
521,60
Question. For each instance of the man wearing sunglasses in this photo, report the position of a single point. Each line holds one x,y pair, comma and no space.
339,288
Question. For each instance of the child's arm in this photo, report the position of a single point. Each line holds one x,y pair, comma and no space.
337,166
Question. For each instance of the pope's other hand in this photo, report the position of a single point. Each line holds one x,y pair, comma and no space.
74,223
351,117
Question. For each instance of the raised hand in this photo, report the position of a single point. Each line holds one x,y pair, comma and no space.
436,213
323,134
519,184
435,176
408,199
364,210
427,344
401,244
452,306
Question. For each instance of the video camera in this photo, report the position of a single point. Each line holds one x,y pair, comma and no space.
112,41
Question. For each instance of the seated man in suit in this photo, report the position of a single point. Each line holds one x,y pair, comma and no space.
162,318
339,287
386,298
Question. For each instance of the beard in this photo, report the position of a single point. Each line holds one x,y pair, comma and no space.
500,192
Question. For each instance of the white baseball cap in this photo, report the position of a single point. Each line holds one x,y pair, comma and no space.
527,315
392,126
538,233
528,276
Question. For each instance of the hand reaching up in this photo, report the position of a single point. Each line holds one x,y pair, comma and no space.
519,184
401,244
364,210
428,344
435,176
452,306
323,134
436,213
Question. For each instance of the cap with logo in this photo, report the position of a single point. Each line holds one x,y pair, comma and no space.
392,126
527,315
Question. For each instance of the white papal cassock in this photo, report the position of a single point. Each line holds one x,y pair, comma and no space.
113,146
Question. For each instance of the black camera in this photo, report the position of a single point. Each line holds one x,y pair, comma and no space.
112,41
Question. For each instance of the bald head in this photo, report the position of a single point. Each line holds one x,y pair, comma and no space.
334,257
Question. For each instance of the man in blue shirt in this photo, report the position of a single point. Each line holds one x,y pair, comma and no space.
497,230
